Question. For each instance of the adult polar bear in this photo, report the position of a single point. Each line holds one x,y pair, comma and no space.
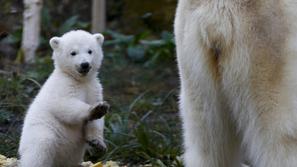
64,115
238,63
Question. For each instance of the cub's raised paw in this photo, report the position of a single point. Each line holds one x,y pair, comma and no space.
99,110
98,145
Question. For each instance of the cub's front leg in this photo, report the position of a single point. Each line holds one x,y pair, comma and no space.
95,127
66,112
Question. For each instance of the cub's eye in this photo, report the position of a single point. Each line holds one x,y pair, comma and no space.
73,53
90,51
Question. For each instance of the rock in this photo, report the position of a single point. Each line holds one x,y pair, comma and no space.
111,164
8,162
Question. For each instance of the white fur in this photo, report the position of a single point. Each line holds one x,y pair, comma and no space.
248,109
54,134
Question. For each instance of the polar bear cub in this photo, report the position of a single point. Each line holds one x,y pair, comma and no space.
65,114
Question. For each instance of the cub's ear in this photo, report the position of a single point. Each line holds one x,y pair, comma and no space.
55,42
99,37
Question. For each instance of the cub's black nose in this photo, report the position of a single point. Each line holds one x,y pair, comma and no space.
85,66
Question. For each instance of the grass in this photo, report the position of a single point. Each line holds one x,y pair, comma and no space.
16,92
143,125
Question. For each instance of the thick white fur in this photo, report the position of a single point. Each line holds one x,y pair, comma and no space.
54,134
238,64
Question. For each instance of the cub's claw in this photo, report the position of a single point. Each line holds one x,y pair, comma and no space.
98,111
100,146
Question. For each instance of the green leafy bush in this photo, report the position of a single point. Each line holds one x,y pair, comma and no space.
139,48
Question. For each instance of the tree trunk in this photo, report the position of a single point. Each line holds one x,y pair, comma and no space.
98,16
31,28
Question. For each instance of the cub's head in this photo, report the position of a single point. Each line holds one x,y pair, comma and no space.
78,53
